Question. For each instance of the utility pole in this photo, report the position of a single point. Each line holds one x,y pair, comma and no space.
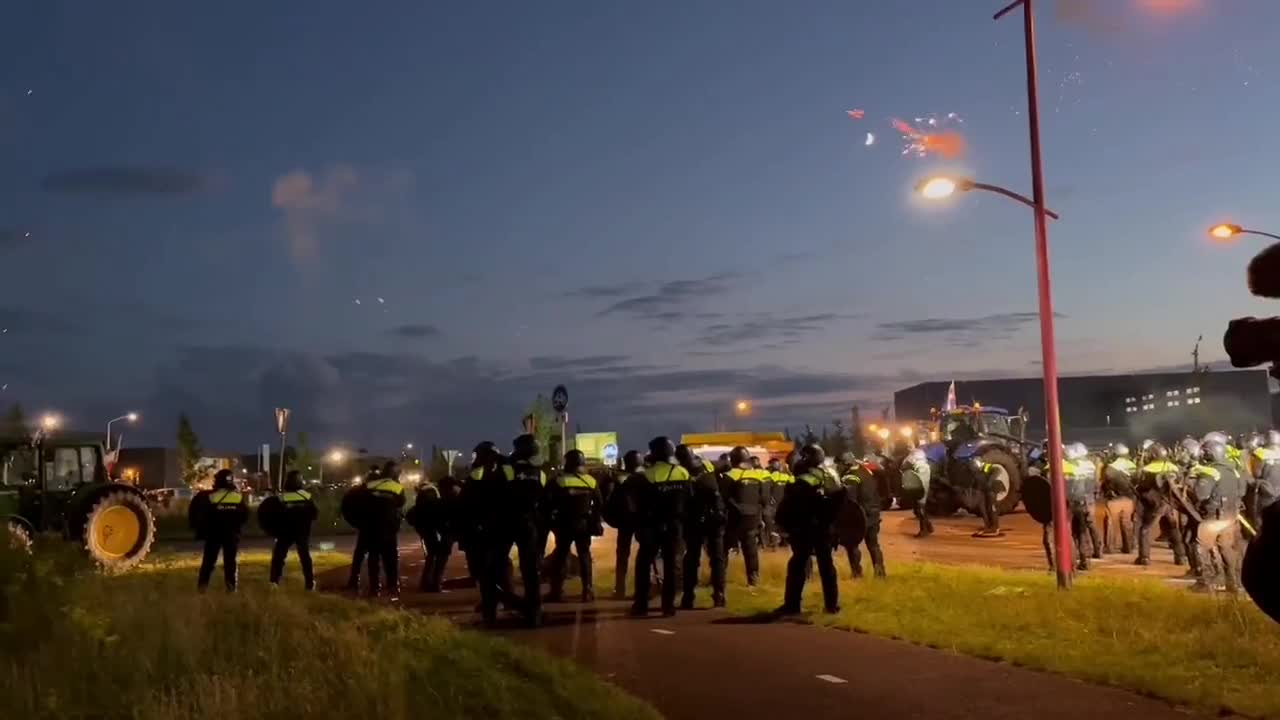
1195,356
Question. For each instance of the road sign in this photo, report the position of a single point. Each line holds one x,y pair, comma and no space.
560,398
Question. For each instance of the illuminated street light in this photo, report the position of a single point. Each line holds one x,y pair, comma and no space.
335,457
941,187
130,417
883,433
1227,231
50,422
743,407
906,431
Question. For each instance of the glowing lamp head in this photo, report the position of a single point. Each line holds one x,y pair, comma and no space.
743,406
884,433
937,188
906,432
1225,231
336,456
873,427
131,417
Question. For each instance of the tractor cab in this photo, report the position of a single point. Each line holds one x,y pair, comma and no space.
992,434
59,484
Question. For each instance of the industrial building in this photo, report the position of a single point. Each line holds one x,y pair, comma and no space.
1105,408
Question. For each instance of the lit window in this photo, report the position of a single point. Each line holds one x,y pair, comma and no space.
1173,403
1195,389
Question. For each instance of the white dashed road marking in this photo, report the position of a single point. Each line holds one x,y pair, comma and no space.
660,631
832,679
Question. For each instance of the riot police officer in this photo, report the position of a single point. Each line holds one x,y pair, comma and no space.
1117,493
1154,480
862,489
386,503
623,513
1220,494
778,478
667,490
217,516
355,510
704,528
916,474
432,516
299,513
575,502
1268,477
991,478
483,524
807,514
745,504
1082,492
522,508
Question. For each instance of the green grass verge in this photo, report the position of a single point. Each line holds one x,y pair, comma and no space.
1210,653
144,645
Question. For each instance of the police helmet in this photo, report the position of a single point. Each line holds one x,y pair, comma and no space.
223,479
1157,451
484,452
1148,444
1253,441
1074,451
739,456
775,465
632,460
811,456
1119,450
685,455
574,460
722,462
755,462
1215,451
1273,438
916,457
648,459
1215,436
292,481
662,448
847,459
1191,449
524,447
390,470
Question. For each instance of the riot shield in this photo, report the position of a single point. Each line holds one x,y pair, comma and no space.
851,522
913,488
355,506
1037,497
271,516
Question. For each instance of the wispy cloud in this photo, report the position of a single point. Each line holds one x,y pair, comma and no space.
674,299
415,331
769,331
967,332
556,362
341,194
125,180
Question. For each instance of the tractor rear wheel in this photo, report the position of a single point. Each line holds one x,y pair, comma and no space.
119,530
1008,500
19,536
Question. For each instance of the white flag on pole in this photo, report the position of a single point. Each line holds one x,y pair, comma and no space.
951,397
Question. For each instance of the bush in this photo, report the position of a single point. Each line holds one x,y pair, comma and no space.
77,644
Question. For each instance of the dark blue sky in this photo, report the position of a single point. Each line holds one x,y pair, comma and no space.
661,204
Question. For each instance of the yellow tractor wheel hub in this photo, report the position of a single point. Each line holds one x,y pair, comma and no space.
116,531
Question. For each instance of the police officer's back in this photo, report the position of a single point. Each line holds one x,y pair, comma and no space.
298,514
704,528
523,508
861,488
746,501
668,489
807,513
217,516
622,511
575,501
386,504
1220,494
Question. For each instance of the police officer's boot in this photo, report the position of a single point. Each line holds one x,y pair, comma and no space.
717,599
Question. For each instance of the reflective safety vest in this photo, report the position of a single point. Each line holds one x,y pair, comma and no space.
662,472
816,478
386,486
295,496
747,476
575,481
228,500
509,473
1159,467
1123,464
477,473
708,467
783,478
1204,471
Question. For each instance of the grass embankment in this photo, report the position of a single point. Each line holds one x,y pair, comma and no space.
1211,653
76,644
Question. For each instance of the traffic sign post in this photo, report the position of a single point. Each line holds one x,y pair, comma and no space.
560,403
282,426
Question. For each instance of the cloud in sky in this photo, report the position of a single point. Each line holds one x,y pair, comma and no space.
964,332
674,299
415,331
125,180
769,332
315,202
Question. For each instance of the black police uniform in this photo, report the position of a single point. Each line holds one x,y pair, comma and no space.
575,500
217,516
386,501
522,528
863,489
300,514
432,517
1154,481
807,513
666,494
623,513
1082,495
1220,523
355,510
484,533
745,504
704,529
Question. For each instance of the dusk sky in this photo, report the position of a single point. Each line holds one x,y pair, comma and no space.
404,220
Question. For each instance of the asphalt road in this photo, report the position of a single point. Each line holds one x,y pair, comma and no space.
706,663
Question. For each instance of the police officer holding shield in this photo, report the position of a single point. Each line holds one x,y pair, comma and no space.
704,528
666,495
807,514
1082,491
298,513
575,501
861,490
1154,481
217,516
915,477
1220,494
991,478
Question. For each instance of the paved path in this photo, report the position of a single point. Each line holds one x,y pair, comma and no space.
705,664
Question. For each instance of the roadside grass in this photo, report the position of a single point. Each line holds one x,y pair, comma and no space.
144,645
1212,653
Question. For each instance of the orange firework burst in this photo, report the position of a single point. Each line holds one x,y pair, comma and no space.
950,144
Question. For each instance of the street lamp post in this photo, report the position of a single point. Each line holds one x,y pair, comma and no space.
131,417
1226,231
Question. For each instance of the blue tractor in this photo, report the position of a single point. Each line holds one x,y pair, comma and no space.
989,433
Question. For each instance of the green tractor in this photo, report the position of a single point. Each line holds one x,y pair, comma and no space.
59,484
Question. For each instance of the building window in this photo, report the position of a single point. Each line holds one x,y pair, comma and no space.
1130,400
1193,401
1172,403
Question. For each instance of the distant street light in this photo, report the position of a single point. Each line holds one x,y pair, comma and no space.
131,417
50,422
1226,231
335,457
743,407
